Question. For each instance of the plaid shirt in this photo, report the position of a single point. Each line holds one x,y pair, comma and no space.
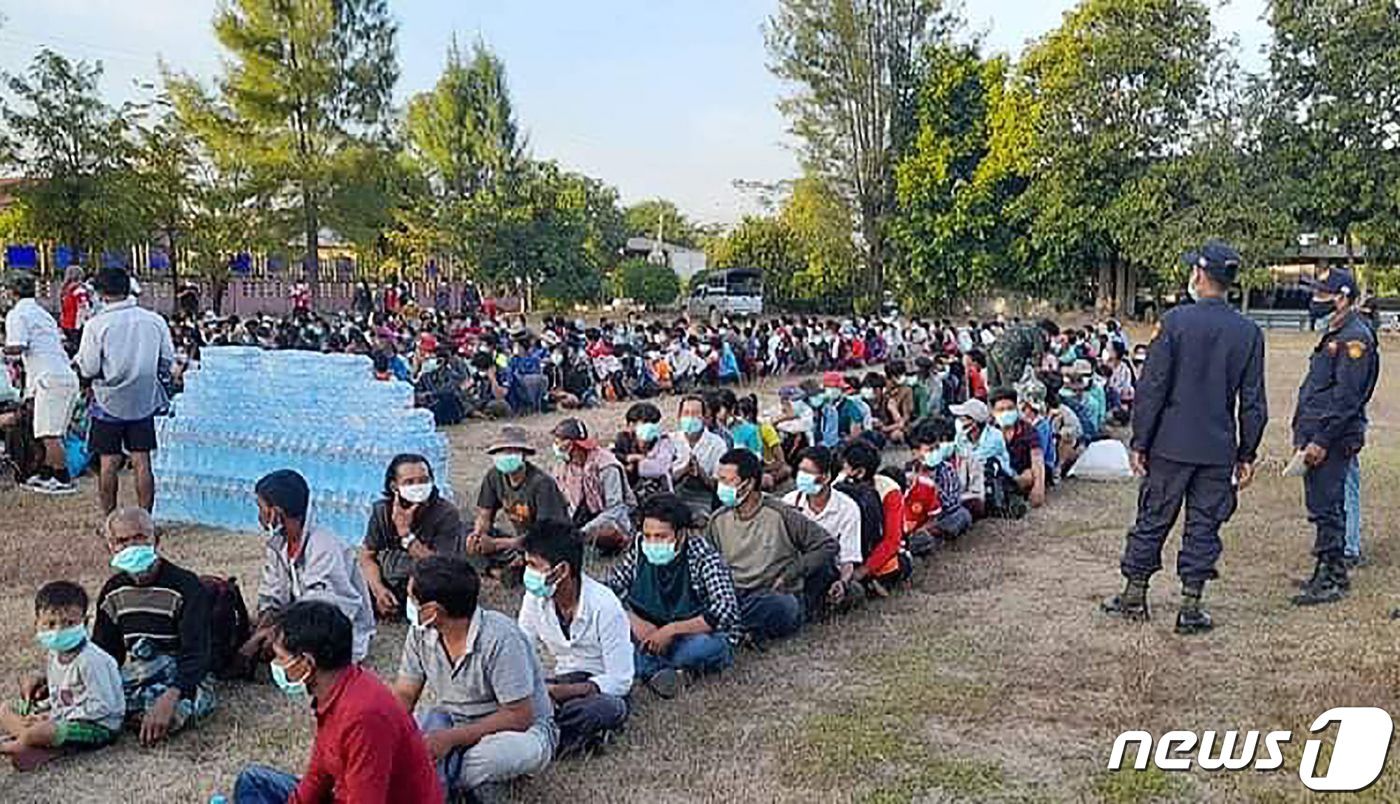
710,578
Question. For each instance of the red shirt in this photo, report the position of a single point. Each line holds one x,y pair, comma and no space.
921,503
74,298
882,560
368,749
976,384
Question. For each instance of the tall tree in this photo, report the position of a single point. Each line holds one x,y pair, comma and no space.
951,221
74,152
1097,105
853,64
304,81
648,218
1336,71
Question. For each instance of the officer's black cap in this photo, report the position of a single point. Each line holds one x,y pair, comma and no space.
1217,259
1336,280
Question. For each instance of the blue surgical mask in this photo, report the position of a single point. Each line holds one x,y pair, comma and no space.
1008,418
937,455
647,431
536,583
690,425
410,612
659,553
728,495
560,455
807,483
295,689
62,640
508,462
134,559
867,394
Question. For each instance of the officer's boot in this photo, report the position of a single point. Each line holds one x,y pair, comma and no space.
1328,584
1132,603
1192,619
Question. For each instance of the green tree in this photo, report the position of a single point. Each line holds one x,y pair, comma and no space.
649,283
951,223
647,218
304,81
821,225
1096,106
75,153
853,65
1336,73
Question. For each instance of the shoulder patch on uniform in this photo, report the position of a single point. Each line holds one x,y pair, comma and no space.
1355,349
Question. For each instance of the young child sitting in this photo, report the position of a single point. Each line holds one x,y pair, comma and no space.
80,704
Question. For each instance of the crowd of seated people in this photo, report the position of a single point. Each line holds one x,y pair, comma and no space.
727,524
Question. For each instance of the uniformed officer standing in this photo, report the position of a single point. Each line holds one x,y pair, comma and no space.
1329,425
1198,417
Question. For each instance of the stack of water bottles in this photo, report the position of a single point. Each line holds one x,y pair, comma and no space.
249,411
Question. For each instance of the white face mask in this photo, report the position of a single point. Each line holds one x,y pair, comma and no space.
416,493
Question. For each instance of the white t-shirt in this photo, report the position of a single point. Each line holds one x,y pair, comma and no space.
599,642
31,328
840,518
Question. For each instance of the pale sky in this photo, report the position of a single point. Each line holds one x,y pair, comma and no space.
663,98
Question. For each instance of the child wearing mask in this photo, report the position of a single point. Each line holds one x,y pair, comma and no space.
78,704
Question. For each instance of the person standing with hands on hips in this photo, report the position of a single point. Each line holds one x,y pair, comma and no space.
1329,426
1197,420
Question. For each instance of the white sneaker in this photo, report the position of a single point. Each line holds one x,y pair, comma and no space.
36,483
60,487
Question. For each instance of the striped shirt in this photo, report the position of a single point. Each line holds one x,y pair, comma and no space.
171,612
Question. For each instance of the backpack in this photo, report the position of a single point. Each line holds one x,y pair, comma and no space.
1004,499
229,628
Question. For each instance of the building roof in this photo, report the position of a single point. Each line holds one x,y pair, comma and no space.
646,245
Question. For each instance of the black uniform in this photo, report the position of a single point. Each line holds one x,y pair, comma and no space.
1200,409
1331,413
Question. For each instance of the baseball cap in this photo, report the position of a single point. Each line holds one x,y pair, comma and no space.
1335,280
575,430
1220,261
974,409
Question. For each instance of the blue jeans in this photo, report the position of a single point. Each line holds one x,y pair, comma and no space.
259,784
694,653
770,615
1353,493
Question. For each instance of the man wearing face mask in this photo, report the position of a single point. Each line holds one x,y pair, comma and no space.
1022,446
585,631
784,564
680,599
153,618
834,511
303,562
523,491
595,486
1198,416
367,748
412,522
1329,425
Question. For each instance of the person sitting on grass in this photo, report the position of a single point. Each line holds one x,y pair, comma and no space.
834,511
78,703
526,493
679,595
784,564
367,749
585,631
646,450
492,718
153,618
303,563
595,486
697,455
933,505
881,502
412,522
1022,445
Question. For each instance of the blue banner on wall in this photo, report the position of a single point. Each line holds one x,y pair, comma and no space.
22,257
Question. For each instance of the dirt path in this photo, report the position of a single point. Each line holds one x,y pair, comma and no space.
993,678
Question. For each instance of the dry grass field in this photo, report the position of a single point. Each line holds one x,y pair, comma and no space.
994,678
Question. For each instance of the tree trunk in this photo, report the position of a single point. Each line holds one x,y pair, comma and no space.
174,271
874,257
310,262
1125,285
1103,294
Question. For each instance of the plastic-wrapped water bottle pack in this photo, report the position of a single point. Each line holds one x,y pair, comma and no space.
250,411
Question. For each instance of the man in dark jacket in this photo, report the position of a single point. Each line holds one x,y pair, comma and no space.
1197,422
